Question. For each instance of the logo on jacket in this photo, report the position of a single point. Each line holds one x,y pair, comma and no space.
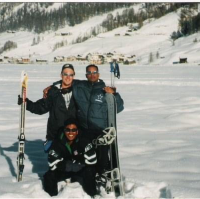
76,152
99,98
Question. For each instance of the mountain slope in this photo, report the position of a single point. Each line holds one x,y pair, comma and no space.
153,38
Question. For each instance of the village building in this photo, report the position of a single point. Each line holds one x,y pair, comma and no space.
71,58
41,60
133,26
183,60
6,57
129,59
97,59
24,60
63,34
129,62
81,58
58,59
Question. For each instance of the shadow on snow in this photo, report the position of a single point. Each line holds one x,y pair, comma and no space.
34,151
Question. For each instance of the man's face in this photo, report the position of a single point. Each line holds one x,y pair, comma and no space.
92,74
71,132
67,76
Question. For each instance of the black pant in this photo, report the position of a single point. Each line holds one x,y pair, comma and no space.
86,177
102,150
102,159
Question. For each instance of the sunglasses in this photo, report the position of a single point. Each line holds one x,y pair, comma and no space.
70,130
90,72
67,75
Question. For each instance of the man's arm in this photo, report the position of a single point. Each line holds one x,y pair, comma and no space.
39,107
119,100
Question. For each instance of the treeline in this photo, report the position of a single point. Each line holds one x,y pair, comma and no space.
34,17
149,10
189,24
8,46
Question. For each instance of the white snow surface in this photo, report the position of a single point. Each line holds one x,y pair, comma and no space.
158,131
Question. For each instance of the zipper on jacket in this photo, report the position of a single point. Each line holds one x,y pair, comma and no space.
89,106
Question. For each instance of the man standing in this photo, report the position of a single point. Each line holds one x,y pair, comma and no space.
92,110
59,103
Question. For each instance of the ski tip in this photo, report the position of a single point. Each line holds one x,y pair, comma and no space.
24,76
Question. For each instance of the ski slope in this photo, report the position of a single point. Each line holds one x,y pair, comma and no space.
158,131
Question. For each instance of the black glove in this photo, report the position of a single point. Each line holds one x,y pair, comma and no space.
90,155
20,100
73,166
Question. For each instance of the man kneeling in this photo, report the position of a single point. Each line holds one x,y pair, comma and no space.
71,156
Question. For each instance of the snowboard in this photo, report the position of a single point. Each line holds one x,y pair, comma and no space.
115,174
21,137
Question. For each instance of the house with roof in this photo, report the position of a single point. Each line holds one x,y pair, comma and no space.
97,59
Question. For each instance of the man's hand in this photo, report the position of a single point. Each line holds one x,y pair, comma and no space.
45,92
108,89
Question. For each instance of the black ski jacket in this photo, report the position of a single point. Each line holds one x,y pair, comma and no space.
58,112
63,156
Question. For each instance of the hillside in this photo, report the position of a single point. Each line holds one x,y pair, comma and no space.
152,40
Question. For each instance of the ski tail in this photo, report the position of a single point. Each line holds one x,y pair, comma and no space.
21,137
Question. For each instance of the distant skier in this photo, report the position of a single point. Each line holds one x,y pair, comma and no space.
114,71
71,156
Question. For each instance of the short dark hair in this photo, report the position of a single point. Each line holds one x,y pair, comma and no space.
92,65
71,121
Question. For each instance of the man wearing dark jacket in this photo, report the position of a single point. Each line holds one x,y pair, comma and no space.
59,103
71,156
92,110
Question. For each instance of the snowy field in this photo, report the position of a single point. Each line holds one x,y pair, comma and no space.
159,139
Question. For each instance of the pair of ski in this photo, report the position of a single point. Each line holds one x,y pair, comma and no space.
21,137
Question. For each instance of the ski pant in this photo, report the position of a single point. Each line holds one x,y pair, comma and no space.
102,159
102,151
86,177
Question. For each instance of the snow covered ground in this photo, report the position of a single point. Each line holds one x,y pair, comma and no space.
158,131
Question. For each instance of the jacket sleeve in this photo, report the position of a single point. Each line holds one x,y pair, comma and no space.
39,107
120,102
55,159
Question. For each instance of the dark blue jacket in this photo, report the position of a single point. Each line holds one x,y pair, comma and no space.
92,108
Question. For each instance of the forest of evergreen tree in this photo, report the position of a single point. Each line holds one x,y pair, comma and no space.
33,17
